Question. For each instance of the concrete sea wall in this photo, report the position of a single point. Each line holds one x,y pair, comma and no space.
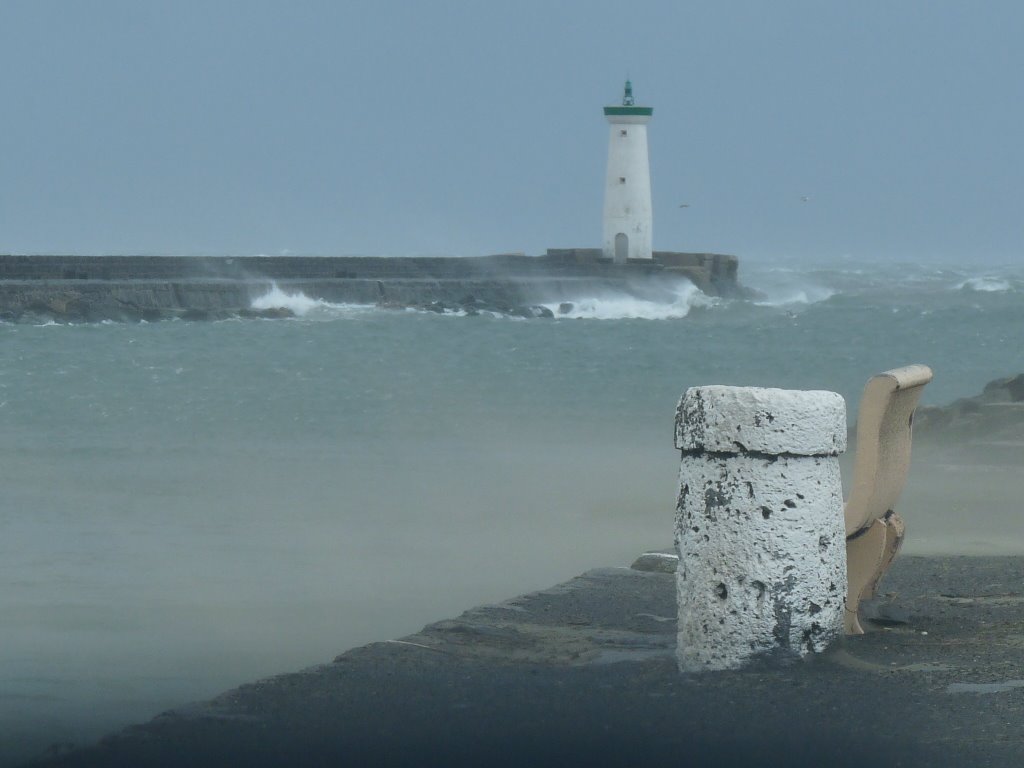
91,288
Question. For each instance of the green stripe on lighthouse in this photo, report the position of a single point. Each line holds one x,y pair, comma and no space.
629,111
628,107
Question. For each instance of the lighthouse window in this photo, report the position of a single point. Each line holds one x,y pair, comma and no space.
622,132
622,179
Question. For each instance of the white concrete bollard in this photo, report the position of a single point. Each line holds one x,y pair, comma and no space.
759,524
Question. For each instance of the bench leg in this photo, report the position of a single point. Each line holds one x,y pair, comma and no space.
895,530
863,559
868,557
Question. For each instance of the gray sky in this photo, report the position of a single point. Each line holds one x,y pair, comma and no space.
457,127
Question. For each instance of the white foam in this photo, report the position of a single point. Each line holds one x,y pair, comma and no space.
622,306
446,312
983,284
809,294
302,305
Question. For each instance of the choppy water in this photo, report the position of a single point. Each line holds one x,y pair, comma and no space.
187,506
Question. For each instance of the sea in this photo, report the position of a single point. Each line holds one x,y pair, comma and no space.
188,506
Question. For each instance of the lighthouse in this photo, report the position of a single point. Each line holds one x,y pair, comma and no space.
627,187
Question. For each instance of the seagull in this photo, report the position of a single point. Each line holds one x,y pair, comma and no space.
684,205
804,198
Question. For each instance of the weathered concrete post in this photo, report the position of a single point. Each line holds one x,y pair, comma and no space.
759,524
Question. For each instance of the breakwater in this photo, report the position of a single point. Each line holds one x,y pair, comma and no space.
92,288
536,680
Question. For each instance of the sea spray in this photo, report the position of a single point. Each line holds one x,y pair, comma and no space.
789,287
984,284
623,306
806,295
302,305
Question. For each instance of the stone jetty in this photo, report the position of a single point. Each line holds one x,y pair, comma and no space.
585,673
131,288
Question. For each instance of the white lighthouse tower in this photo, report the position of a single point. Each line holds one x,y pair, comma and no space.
627,186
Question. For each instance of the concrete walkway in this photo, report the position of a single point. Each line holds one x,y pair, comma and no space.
584,674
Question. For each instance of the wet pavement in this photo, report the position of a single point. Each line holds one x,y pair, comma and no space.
584,674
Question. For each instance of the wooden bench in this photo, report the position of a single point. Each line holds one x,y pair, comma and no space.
874,532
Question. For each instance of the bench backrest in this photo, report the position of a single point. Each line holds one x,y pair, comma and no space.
884,427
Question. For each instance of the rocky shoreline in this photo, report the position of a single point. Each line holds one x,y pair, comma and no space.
995,416
37,289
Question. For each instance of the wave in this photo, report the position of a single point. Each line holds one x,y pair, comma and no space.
783,297
983,285
302,305
623,306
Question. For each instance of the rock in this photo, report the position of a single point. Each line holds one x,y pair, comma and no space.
531,311
566,307
64,308
1010,389
656,562
996,415
473,306
277,313
270,313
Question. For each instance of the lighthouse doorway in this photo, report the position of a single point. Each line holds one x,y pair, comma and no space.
621,248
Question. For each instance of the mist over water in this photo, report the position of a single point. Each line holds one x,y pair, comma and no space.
188,506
